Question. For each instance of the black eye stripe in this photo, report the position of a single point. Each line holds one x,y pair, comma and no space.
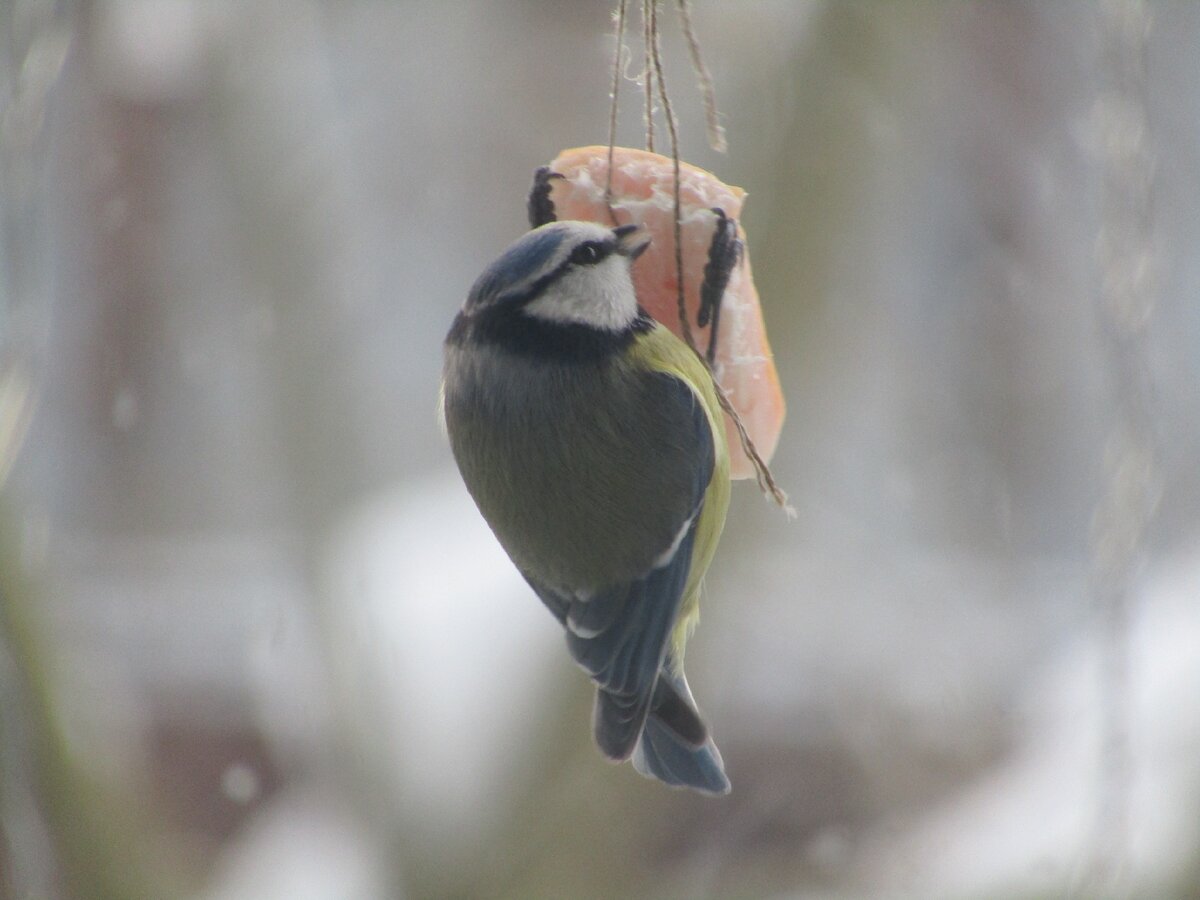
591,252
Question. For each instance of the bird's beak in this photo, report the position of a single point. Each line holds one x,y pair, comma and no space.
632,241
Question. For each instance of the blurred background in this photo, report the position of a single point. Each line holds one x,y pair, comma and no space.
255,641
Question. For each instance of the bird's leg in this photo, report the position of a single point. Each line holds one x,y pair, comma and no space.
724,253
539,206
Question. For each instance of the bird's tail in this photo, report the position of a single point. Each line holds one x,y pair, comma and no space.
675,746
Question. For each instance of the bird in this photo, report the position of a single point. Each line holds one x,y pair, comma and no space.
592,441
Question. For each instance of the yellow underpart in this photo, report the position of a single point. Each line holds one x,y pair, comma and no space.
660,351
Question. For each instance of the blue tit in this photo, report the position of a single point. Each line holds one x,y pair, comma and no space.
591,440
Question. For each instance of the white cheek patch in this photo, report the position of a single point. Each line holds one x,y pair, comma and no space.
599,296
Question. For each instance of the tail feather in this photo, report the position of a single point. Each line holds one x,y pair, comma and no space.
617,720
676,709
661,754
674,745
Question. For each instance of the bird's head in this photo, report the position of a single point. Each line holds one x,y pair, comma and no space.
570,273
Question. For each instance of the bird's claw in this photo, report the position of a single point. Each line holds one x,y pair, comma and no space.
540,207
724,253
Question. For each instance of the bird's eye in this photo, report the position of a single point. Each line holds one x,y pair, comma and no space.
588,254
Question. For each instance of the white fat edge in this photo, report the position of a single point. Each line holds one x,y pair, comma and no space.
707,190
707,194
599,296
583,181
736,317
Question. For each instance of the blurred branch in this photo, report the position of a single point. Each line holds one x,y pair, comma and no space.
58,821
63,835
28,858
1125,256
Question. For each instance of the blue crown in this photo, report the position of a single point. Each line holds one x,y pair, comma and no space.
519,268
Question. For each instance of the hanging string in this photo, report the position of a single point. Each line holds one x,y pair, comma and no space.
612,111
1128,257
672,131
762,473
649,31
716,133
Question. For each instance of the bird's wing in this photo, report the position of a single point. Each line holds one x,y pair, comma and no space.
619,634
